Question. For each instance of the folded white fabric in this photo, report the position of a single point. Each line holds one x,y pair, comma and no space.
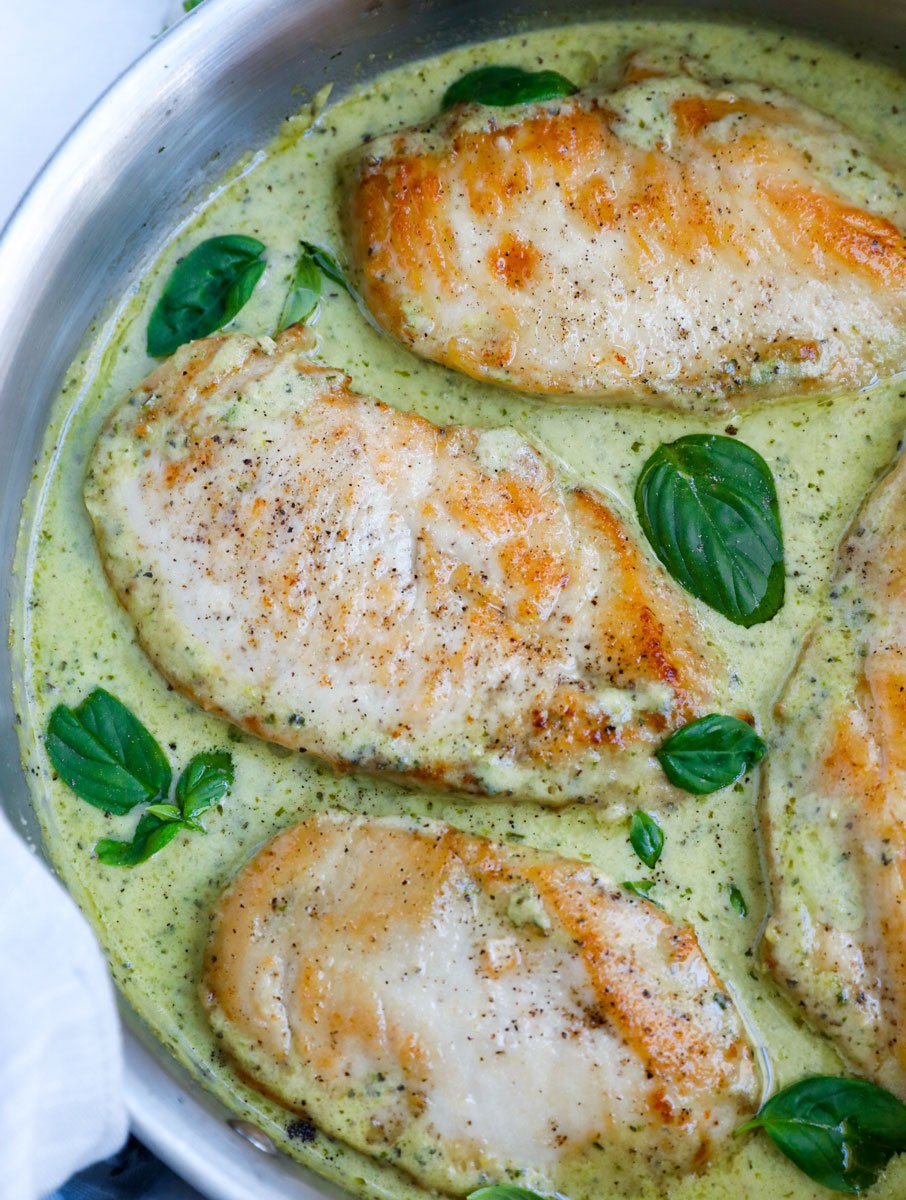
61,1091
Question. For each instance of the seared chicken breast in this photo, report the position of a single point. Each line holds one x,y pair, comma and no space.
835,803
350,580
472,1012
673,241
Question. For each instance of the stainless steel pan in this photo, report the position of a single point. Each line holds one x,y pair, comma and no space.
217,84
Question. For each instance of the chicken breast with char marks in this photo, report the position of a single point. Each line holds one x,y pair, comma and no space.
834,807
470,1011
350,580
674,241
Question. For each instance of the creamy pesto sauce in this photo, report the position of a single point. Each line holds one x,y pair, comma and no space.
72,634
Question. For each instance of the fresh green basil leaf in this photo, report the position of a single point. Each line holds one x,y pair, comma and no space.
840,1132
738,901
641,887
151,834
646,837
166,812
710,753
105,754
502,86
708,506
304,293
328,265
206,780
206,290
504,1191
188,5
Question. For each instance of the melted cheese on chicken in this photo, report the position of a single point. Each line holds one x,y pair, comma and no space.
835,803
470,1011
672,241
354,581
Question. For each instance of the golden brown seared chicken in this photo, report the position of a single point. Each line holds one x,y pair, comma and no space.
354,581
473,1012
834,807
672,241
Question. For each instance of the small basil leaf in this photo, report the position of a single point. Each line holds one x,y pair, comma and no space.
188,5
840,1132
738,901
151,834
710,753
207,779
105,754
206,289
304,293
328,265
646,837
708,506
502,86
640,887
504,1191
166,812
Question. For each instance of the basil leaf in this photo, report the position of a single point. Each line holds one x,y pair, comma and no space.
188,5
305,292
206,290
105,754
710,753
708,506
151,834
738,901
640,887
314,261
207,779
646,837
840,1132
504,1191
166,812
502,86
328,265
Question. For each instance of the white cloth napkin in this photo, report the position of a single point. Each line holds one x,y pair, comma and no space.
61,1089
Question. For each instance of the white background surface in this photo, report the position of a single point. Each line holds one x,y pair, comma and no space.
56,58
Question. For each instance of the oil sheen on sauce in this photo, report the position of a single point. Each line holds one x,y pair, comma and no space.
70,634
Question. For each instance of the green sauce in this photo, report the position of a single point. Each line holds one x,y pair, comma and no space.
824,454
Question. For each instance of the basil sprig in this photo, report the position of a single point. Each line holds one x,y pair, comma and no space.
708,506
502,86
204,782
304,294
305,291
646,837
151,834
206,289
840,1132
326,263
105,754
710,753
